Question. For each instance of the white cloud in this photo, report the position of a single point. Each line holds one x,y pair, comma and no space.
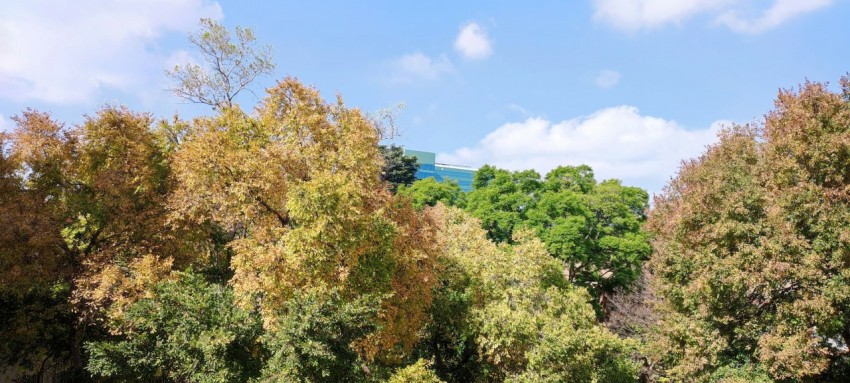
607,79
778,13
633,15
472,42
418,66
66,52
638,14
616,142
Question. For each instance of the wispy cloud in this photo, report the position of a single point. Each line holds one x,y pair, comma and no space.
618,142
472,42
780,12
633,15
418,66
519,109
66,52
607,79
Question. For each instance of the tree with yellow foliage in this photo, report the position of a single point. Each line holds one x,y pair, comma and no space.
299,180
528,323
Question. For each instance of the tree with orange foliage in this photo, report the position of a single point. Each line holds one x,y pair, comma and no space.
752,247
87,218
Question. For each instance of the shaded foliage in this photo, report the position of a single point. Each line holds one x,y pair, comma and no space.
311,341
399,170
187,330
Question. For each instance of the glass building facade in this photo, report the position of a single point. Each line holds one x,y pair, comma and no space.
428,167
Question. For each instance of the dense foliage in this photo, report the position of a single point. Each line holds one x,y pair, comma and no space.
751,250
516,307
429,192
187,330
286,244
267,246
86,227
399,170
594,228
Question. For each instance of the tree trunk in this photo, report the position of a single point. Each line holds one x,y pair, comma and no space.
76,347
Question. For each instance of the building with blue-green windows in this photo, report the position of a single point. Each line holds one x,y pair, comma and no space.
428,167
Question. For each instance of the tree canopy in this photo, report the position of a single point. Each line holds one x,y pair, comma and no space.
429,192
594,228
751,248
284,243
300,180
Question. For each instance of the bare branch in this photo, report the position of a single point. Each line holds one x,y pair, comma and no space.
231,65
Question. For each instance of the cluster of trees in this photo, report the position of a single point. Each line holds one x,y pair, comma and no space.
267,246
285,244
594,229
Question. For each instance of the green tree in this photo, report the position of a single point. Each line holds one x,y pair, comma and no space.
752,247
187,330
529,323
595,228
428,192
501,200
229,66
399,170
311,341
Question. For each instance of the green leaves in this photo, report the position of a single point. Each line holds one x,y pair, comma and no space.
415,373
428,192
595,229
399,170
188,330
77,235
529,323
312,338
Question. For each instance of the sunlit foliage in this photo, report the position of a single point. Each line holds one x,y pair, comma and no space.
428,192
529,323
594,228
752,247
300,181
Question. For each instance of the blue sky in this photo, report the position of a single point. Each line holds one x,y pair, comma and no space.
630,87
